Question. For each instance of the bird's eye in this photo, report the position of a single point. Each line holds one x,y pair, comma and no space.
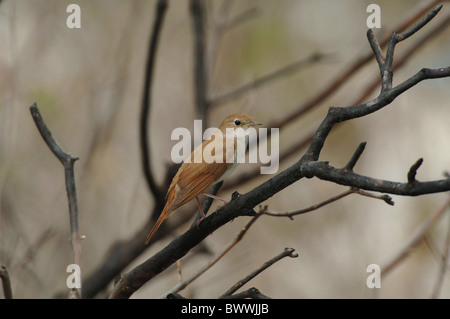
237,122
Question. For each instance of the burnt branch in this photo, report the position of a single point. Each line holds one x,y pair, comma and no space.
68,162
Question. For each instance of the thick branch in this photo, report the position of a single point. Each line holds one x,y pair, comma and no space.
341,176
242,205
278,74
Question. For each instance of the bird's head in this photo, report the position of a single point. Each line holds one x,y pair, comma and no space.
238,120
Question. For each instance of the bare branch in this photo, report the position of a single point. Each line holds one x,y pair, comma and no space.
288,252
311,208
206,205
6,283
400,61
240,19
351,70
213,261
307,166
413,171
68,162
386,198
340,176
160,11
352,162
251,293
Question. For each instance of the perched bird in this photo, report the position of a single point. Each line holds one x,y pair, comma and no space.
197,173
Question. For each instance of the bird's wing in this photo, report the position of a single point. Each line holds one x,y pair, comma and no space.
194,178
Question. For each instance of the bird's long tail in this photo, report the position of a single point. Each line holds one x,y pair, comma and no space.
158,223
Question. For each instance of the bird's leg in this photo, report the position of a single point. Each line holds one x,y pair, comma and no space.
203,216
218,198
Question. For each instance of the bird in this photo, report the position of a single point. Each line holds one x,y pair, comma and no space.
196,174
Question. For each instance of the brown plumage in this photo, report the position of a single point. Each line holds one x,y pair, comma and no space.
192,178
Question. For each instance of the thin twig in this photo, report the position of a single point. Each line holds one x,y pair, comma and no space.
160,11
386,198
291,214
288,252
68,162
340,176
352,162
307,166
304,140
213,261
311,208
6,283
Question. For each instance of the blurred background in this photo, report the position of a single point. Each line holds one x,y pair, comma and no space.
88,84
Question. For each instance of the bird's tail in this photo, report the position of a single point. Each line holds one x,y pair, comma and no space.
158,223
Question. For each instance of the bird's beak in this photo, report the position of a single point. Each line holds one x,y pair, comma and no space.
254,123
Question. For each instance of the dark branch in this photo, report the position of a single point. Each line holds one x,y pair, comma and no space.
161,8
311,208
68,162
352,162
413,171
216,258
340,176
6,283
178,248
251,293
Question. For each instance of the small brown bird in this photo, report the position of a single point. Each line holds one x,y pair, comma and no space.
198,173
